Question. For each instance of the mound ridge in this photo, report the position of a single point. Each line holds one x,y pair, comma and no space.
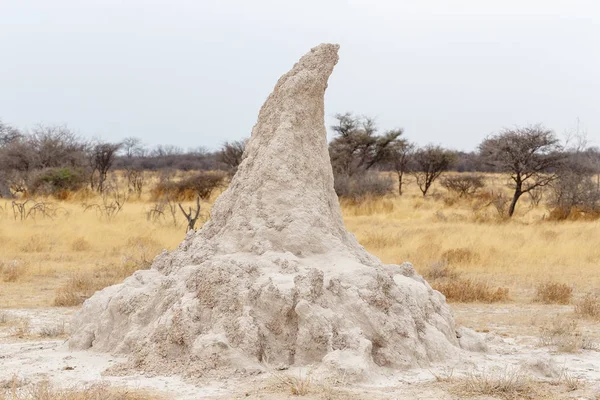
274,277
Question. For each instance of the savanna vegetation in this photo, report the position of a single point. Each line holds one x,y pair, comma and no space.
514,221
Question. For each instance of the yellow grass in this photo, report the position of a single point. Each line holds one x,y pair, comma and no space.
14,389
40,258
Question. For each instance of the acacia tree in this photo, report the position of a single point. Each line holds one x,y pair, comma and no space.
357,147
429,163
400,155
530,155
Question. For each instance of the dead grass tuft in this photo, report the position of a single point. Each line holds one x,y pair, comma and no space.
440,270
508,384
13,270
18,390
37,244
54,331
460,256
554,293
80,286
23,329
298,385
367,206
565,335
466,290
80,244
138,253
588,306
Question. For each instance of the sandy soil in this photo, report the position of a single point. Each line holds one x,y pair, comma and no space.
511,333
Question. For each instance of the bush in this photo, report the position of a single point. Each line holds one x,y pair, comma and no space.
58,182
359,187
463,185
460,256
202,184
565,335
574,196
588,306
554,293
468,290
440,270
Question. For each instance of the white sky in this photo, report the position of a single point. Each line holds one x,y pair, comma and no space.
193,73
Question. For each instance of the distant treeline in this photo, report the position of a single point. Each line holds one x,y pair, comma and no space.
52,159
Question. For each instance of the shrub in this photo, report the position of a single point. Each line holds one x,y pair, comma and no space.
464,290
463,185
565,335
361,186
588,306
574,194
509,384
460,256
58,182
202,184
554,293
12,271
80,244
440,270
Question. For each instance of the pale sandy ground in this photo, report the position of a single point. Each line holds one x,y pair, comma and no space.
511,332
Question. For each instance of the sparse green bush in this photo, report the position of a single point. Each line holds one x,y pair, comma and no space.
58,182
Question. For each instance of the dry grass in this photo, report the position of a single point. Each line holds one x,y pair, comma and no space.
53,331
508,384
466,290
588,306
16,389
76,253
299,385
11,271
565,335
451,284
554,293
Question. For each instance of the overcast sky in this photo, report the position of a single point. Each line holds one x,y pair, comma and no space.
193,73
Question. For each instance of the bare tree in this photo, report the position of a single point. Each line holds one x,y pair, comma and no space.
56,146
400,154
166,151
357,147
132,147
101,157
530,155
188,215
429,163
231,154
8,134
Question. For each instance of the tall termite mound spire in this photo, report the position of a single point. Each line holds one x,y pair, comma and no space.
274,277
282,196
